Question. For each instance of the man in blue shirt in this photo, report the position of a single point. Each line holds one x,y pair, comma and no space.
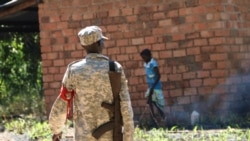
154,93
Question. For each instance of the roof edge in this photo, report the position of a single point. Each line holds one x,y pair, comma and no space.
17,7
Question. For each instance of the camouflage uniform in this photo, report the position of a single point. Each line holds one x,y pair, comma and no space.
89,79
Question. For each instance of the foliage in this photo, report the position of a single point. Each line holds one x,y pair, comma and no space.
36,130
40,131
20,78
33,128
192,135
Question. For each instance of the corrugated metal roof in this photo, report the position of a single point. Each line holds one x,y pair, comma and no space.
16,19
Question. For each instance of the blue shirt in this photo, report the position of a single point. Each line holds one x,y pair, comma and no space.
150,73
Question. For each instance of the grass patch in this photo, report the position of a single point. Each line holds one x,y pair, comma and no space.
39,131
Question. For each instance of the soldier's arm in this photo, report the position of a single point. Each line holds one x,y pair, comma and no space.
57,116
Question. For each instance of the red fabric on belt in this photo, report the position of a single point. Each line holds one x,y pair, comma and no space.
67,96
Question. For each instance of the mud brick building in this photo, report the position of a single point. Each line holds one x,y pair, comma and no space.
202,47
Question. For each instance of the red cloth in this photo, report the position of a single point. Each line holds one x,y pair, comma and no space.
67,96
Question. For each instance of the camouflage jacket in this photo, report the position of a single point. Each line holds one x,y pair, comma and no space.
89,79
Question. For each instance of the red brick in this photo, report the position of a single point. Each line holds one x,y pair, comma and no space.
139,72
150,40
165,54
210,82
171,45
205,90
76,54
122,57
114,36
158,15
218,57
165,22
179,53
200,26
44,34
145,9
111,28
206,34
126,11
81,2
47,63
175,93
204,2
219,73
49,92
44,42
224,64
222,33
108,5
173,13
155,1
202,57
199,9
175,77
195,83
177,37
209,65
186,43
216,25
189,75
133,80
58,62
180,69
174,29
48,78
215,8
200,42
158,46
192,35
52,55
87,16
193,19
77,16
193,51
217,41
131,18
119,4
49,26
203,74
190,91
185,11
137,41
183,100
143,46
159,31
113,50
122,42
239,41
67,32
65,17
54,84
186,28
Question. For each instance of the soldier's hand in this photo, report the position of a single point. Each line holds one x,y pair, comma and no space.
57,137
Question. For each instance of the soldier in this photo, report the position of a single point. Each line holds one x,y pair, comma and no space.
86,81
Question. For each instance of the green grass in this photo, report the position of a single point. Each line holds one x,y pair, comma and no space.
228,134
40,131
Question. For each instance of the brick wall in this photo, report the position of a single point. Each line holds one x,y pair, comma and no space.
202,48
